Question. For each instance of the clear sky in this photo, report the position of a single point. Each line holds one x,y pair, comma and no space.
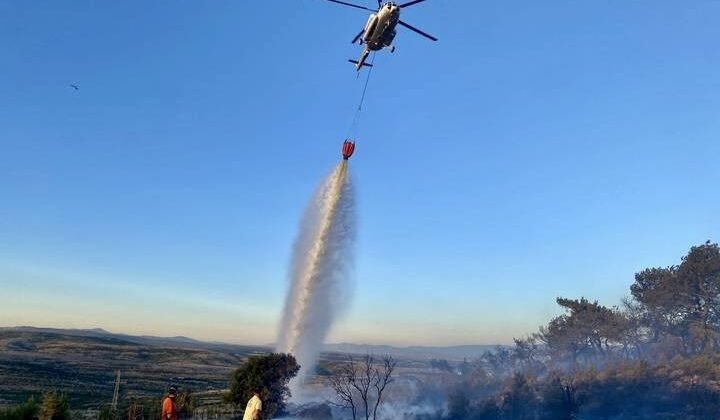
538,149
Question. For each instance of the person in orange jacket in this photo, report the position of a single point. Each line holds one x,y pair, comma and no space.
169,409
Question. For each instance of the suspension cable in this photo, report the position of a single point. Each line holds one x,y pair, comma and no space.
356,118
367,79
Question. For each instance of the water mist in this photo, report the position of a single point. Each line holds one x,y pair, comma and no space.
319,272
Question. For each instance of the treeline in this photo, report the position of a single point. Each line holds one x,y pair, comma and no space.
655,356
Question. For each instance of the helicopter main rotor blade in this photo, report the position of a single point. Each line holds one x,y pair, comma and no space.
352,5
417,30
357,36
410,3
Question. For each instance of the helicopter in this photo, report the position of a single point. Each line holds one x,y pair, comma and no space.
379,31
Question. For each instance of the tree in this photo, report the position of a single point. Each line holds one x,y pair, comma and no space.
54,406
487,410
268,374
634,339
519,401
458,405
559,401
586,330
499,362
525,354
699,273
680,305
359,385
658,294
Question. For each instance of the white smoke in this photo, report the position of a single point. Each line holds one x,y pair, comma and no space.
320,271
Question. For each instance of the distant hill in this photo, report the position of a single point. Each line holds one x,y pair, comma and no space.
82,363
457,353
454,353
137,339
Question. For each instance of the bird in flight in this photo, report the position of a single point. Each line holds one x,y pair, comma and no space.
75,87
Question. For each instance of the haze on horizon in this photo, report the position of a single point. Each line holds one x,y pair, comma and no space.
534,151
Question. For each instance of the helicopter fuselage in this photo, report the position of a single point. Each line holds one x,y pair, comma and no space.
379,30
380,27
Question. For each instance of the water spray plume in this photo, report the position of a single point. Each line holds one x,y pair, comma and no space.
320,271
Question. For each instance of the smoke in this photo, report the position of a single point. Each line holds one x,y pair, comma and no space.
320,271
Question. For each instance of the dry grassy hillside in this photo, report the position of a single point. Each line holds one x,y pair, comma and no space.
84,364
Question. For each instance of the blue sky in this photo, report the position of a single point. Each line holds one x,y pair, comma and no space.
539,149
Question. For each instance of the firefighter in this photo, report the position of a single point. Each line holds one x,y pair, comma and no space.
169,409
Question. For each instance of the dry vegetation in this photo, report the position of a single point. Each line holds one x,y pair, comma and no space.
83,367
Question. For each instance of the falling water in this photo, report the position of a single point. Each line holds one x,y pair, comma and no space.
320,271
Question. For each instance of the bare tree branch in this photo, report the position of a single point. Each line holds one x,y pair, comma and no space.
359,385
382,380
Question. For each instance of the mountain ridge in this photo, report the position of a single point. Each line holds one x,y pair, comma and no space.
454,352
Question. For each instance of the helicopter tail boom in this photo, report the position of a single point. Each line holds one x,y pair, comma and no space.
361,61
360,64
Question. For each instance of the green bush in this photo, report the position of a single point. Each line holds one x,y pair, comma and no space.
269,374
54,406
25,411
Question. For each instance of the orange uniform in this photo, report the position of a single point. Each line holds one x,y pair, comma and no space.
169,411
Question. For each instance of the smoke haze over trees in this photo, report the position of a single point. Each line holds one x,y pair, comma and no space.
656,356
